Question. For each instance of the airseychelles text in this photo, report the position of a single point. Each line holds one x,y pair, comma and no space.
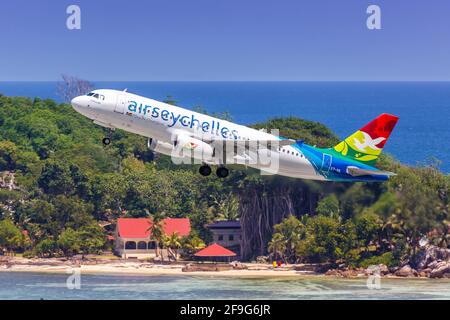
172,119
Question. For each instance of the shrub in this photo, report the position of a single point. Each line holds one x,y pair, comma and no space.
386,259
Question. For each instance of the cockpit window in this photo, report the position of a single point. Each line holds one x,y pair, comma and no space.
96,95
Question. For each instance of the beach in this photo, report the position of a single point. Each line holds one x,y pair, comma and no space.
144,268
119,267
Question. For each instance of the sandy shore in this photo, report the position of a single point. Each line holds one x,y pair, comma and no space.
127,267
142,268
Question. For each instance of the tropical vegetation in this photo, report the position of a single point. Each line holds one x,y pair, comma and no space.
67,184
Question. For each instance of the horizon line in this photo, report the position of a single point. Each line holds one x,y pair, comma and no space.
412,81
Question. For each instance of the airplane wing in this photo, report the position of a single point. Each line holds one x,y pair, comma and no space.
286,142
268,143
265,143
355,171
247,151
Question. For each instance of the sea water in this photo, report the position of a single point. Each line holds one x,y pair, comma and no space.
15,285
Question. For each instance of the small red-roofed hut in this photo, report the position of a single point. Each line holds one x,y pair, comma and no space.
215,252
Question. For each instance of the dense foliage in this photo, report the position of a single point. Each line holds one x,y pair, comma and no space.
67,184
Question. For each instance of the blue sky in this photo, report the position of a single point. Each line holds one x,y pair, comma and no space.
310,40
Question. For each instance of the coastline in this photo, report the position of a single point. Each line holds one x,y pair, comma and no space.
138,268
149,269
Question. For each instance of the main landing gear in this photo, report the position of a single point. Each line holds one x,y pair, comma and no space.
221,172
205,170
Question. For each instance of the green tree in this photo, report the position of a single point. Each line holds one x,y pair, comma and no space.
69,242
156,229
292,231
227,207
92,239
327,240
192,243
46,248
11,238
173,244
277,246
368,228
8,155
56,179
328,206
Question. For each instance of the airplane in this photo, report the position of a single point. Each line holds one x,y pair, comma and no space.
210,141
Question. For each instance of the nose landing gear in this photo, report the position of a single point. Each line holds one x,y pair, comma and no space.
107,140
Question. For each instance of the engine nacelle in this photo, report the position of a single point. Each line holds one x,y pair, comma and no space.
160,147
193,148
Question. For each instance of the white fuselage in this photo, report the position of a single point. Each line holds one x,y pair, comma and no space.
167,123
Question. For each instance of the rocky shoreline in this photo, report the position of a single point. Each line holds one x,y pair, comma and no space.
432,262
436,270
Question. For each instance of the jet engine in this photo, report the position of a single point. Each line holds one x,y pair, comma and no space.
186,146
183,147
160,147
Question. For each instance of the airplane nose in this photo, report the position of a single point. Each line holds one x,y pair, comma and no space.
76,102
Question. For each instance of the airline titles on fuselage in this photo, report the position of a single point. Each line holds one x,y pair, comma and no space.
214,127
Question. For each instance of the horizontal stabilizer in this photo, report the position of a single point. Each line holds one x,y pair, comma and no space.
355,171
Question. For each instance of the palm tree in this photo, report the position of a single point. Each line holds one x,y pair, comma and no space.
173,243
278,245
157,231
193,243
227,207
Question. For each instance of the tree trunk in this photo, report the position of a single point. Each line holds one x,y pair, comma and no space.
263,207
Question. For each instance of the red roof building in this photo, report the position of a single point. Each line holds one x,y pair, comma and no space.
141,227
134,239
215,250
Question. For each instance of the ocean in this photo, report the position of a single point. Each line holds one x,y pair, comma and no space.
14,285
423,132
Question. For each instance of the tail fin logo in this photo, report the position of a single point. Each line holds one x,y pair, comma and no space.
366,144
